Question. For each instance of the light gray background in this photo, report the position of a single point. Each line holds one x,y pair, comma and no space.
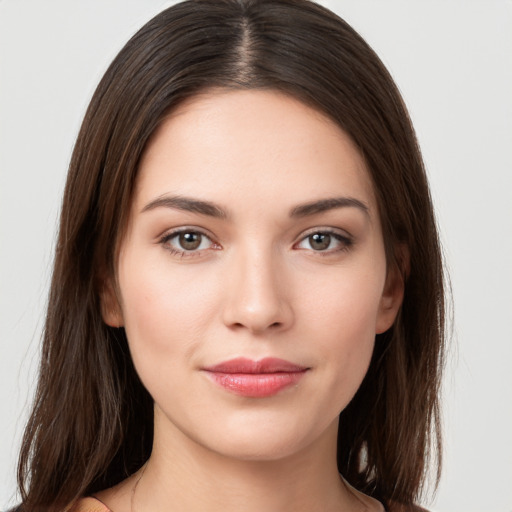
452,60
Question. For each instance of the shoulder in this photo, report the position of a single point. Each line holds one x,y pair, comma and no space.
89,505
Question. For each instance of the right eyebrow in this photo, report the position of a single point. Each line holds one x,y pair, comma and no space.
187,204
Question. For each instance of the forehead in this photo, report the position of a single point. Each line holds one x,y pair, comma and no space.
265,145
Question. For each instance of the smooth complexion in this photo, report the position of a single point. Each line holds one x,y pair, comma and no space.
254,236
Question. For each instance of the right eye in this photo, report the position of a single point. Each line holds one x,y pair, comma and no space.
187,242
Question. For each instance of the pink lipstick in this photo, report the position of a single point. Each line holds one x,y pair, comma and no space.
256,379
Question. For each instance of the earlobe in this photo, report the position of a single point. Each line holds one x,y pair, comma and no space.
110,308
393,293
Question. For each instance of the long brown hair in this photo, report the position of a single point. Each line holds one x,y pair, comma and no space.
92,421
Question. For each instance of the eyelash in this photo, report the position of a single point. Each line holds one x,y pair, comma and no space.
346,242
165,239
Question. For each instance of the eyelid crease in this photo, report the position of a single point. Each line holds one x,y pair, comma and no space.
336,232
170,232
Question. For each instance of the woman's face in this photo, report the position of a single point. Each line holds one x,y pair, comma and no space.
252,277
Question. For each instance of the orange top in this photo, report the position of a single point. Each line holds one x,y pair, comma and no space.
89,505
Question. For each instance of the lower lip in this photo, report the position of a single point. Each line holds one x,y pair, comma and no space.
256,385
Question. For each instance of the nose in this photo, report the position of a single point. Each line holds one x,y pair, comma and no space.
257,296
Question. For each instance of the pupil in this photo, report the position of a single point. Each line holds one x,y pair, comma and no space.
190,241
320,241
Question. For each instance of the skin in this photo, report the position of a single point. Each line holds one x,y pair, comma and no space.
257,285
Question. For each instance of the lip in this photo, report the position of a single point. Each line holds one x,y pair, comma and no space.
255,379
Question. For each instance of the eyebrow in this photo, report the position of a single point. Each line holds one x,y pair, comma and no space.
324,205
187,204
212,210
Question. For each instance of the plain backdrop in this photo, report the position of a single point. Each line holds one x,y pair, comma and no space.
452,60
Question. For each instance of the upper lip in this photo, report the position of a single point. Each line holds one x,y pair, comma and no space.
266,365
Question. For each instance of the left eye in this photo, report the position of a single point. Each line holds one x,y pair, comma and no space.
188,241
323,241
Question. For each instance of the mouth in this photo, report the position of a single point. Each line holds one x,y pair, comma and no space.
256,379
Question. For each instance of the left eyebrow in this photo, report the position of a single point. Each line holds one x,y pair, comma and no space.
323,205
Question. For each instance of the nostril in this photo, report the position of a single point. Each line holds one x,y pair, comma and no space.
273,326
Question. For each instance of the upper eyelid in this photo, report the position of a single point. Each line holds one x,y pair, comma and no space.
342,236
167,236
169,233
328,230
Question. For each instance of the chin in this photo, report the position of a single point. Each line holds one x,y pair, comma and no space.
257,448
264,437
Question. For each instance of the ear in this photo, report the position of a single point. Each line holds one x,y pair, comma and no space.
110,308
393,293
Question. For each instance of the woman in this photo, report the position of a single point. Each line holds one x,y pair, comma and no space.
247,301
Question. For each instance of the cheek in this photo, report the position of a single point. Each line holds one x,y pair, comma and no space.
345,302
342,317
165,314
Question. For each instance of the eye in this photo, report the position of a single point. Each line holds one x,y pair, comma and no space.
190,241
187,241
325,241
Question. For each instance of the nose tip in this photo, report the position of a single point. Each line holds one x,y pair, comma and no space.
256,322
257,298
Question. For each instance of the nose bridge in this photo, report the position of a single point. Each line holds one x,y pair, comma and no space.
256,298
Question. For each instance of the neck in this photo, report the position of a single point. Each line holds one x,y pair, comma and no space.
183,475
